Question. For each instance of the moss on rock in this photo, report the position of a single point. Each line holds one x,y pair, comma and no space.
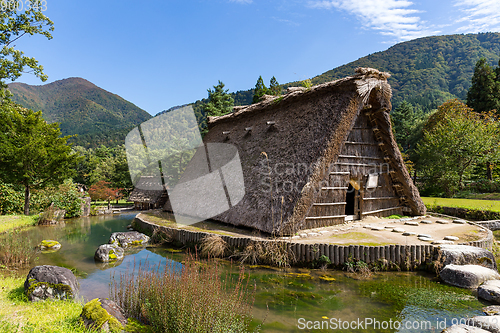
95,314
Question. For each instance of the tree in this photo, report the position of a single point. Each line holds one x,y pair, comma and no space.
456,139
102,191
274,87
484,93
32,153
219,101
259,90
407,119
14,24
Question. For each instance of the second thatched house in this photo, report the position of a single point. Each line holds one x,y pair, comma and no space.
148,193
317,157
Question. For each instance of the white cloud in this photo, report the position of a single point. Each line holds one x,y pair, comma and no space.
390,17
241,1
479,15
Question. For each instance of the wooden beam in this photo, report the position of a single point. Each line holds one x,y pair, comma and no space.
362,157
325,217
361,143
382,198
381,210
329,203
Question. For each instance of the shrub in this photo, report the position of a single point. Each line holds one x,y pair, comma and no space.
196,299
11,199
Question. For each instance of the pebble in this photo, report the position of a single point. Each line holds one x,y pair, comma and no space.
409,233
399,230
425,239
313,234
426,222
443,221
323,232
295,237
303,235
424,236
367,226
388,227
460,221
451,238
414,223
378,228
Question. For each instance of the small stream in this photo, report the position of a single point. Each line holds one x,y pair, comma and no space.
292,300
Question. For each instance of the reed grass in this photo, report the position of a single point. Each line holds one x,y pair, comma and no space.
16,250
196,299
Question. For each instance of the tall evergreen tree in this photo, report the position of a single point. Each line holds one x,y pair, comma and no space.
484,93
407,119
219,101
259,90
32,152
274,87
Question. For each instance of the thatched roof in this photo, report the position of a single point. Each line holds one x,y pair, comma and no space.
293,139
147,190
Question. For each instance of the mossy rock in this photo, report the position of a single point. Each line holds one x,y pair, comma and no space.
47,281
108,253
128,239
96,316
49,246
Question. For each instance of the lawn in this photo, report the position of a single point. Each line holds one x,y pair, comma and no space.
491,205
8,222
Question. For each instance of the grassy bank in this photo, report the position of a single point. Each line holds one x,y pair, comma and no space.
18,314
489,205
9,222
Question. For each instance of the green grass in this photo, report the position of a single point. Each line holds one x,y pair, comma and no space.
18,314
9,222
491,205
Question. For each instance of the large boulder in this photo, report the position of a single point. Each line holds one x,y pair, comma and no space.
490,291
47,281
463,329
491,310
129,238
464,255
103,315
467,276
488,323
108,252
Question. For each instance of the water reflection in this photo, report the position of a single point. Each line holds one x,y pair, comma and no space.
289,294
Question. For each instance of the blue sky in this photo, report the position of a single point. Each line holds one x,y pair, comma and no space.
158,54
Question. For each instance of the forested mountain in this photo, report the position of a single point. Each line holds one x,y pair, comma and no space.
96,115
425,71
430,70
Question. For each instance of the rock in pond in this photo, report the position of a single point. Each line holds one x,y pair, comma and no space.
491,310
488,323
465,255
49,246
47,281
103,315
129,238
490,291
467,276
108,252
464,329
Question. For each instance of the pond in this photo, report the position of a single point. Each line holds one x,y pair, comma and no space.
292,300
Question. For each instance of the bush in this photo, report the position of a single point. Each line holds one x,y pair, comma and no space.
11,199
484,186
193,300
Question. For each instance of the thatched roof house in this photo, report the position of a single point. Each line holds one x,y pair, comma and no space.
148,193
317,157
